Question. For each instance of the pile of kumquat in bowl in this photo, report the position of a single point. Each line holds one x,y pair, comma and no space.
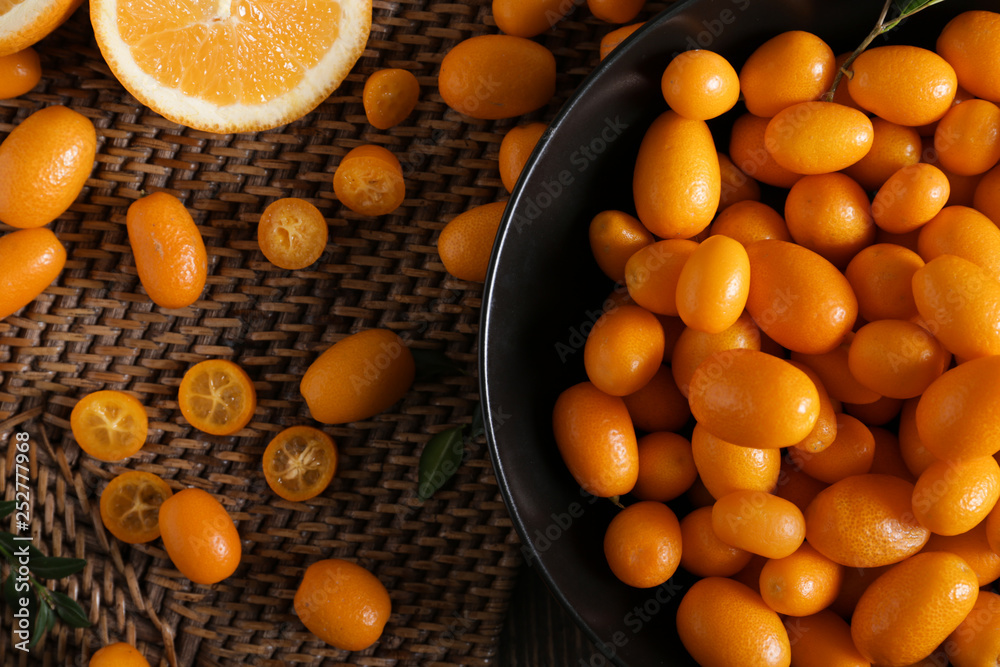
789,387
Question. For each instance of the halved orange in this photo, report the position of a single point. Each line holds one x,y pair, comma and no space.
109,425
130,506
217,396
24,22
231,65
300,462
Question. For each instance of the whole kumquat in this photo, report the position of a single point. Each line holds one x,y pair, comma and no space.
713,285
596,439
614,237
19,72
169,251
694,346
908,611
893,147
968,42
498,76
612,39
30,259
792,67
389,97
973,547
830,214
822,640
624,350
721,622
966,139
748,221
910,198
896,358
963,232
903,84
199,536
976,640
118,654
653,271
759,522
643,544
44,163
369,181
851,453
703,553
677,181
666,467
343,604
515,149
700,85
466,242
724,467
818,137
615,11
953,497
528,19
358,377
748,152
804,583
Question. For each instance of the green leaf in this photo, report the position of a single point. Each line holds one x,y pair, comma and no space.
433,364
48,567
7,542
6,507
906,7
440,460
477,428
69,610
9,593
44,620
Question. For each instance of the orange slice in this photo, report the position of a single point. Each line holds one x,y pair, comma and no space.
130,506
300,462
109,425
24,22
231,65
217,396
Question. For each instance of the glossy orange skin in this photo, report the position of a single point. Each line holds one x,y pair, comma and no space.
292,233
343,604
358,377
119,654
369,181
748,152
833,369
666,467
704,554
522,18
969,43
466,242
614,237
47,20
865,521
98,410
973,547
700,84
212,381
721,623
724,467
44,163
491,77
596,439
713,285
677,180
659,405
823,640
643,544
896,358
128,504
694,346
736,186
960,302
963,232
515,149
953,497
967,139
798,298
616,37
19,72
976,641
830,215
30,259
199,536
824,432
169,251
748,221
616,11
851,453
910,198
652,273
818,137
752,399
908,611
389,97
792,67
906,85
624,350
759,522
893,147
986,196
804,583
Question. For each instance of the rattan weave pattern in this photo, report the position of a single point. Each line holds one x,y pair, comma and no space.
449,563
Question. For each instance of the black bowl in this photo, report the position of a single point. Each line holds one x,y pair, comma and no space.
544,292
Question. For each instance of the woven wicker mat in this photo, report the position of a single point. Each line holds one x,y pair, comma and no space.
449,563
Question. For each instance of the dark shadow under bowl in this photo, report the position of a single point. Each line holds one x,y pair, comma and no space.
544,291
